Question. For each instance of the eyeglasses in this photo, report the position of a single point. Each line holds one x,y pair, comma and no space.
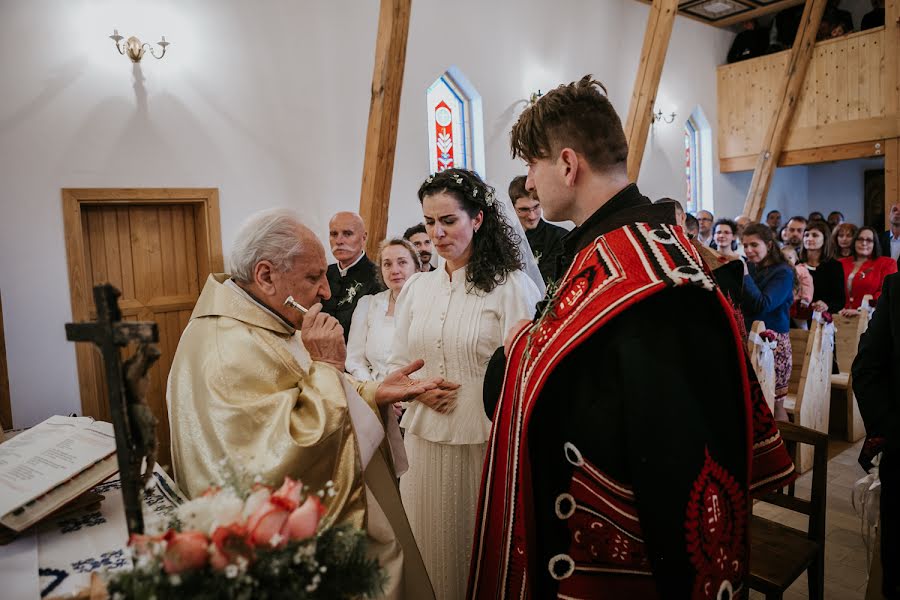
865,240
527,211
704,219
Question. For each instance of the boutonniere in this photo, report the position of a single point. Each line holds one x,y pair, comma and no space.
537,257
352,291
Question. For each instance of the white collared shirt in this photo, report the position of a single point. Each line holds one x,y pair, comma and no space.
343,272
895,246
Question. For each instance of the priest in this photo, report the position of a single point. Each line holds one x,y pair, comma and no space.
619,463
258,389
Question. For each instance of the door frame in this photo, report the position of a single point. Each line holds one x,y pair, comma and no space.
208,235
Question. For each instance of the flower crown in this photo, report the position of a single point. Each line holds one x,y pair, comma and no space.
489,196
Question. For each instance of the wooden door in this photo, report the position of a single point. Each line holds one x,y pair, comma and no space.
157,247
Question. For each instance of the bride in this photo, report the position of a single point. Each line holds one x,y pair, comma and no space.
454,318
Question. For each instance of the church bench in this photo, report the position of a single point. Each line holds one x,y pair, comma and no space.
809,390
846,342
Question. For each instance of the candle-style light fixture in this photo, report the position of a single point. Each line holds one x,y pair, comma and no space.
659,116
134,49
535,96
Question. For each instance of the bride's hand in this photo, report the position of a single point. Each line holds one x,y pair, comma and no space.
442,398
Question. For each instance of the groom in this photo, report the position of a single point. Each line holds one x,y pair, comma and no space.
610,473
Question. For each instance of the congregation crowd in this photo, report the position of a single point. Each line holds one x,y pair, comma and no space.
514,410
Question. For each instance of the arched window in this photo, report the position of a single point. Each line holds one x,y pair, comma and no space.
698,162
455,128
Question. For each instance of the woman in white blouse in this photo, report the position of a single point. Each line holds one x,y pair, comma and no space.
372,327
455,318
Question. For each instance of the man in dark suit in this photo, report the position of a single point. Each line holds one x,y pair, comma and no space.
876,383
890,239
353,275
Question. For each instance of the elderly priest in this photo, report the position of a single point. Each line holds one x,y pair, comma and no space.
260,388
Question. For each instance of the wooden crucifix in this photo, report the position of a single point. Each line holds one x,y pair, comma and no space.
134,424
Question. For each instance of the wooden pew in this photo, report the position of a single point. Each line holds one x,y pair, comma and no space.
762,357
809,391
846,343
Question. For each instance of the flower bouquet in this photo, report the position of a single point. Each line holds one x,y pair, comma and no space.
770,338
264,543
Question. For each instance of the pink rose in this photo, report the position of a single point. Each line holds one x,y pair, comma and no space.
229,543
185,551
290,490
304,520
264,525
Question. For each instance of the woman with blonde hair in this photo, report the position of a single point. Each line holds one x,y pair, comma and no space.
843,239
372,327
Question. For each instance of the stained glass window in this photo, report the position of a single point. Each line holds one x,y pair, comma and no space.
698,162
455,129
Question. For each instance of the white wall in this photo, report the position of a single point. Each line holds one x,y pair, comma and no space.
268,101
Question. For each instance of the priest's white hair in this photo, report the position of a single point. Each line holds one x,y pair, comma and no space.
267,235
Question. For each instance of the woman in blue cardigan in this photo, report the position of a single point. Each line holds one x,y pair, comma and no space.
768,295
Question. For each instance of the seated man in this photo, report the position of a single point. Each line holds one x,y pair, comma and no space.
249,392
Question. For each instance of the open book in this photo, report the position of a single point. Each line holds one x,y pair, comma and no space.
51,464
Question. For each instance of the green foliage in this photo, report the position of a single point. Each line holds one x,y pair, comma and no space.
334,565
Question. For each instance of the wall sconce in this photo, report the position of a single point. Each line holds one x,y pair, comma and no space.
134,49
659,116
535,97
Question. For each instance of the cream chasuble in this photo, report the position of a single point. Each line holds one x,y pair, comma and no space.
240,392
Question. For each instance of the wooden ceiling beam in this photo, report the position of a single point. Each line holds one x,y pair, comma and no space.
646,84
785,103
756,13
384,115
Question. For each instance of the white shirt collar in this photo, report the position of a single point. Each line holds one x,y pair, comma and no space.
343,272
234,286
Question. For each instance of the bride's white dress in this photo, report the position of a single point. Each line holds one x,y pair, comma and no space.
455,331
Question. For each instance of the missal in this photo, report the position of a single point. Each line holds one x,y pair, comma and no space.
49,465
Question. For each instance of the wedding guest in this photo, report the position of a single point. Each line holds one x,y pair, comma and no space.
864,272
876,383
817,254
773,220
768,295
691,225
706,220
724,234
873,18
783,236
795,228
418,237
890,239
842,239
834,219
455,318
372,329
815,216
544,239
353,275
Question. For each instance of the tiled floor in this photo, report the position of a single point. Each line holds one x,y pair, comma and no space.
845,554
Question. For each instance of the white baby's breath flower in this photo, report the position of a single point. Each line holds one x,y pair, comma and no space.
276,539
231,571
197,514
175,580
226,509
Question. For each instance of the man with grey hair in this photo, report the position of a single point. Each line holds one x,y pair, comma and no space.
259,388
705,219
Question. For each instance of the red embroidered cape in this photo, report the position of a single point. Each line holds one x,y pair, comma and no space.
620,269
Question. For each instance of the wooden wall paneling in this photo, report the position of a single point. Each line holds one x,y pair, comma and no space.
157,247
851,79
646,83
6,421
384,114
786,103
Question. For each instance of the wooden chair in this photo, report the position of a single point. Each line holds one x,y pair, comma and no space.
846,343
763,360
809,390
779,554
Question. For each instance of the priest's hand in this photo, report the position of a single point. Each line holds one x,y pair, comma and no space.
323,338
398,387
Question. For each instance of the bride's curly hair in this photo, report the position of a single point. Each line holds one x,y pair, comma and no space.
495,246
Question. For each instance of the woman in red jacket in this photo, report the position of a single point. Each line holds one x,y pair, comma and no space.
865,270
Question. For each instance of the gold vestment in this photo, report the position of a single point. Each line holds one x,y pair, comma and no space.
238,396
